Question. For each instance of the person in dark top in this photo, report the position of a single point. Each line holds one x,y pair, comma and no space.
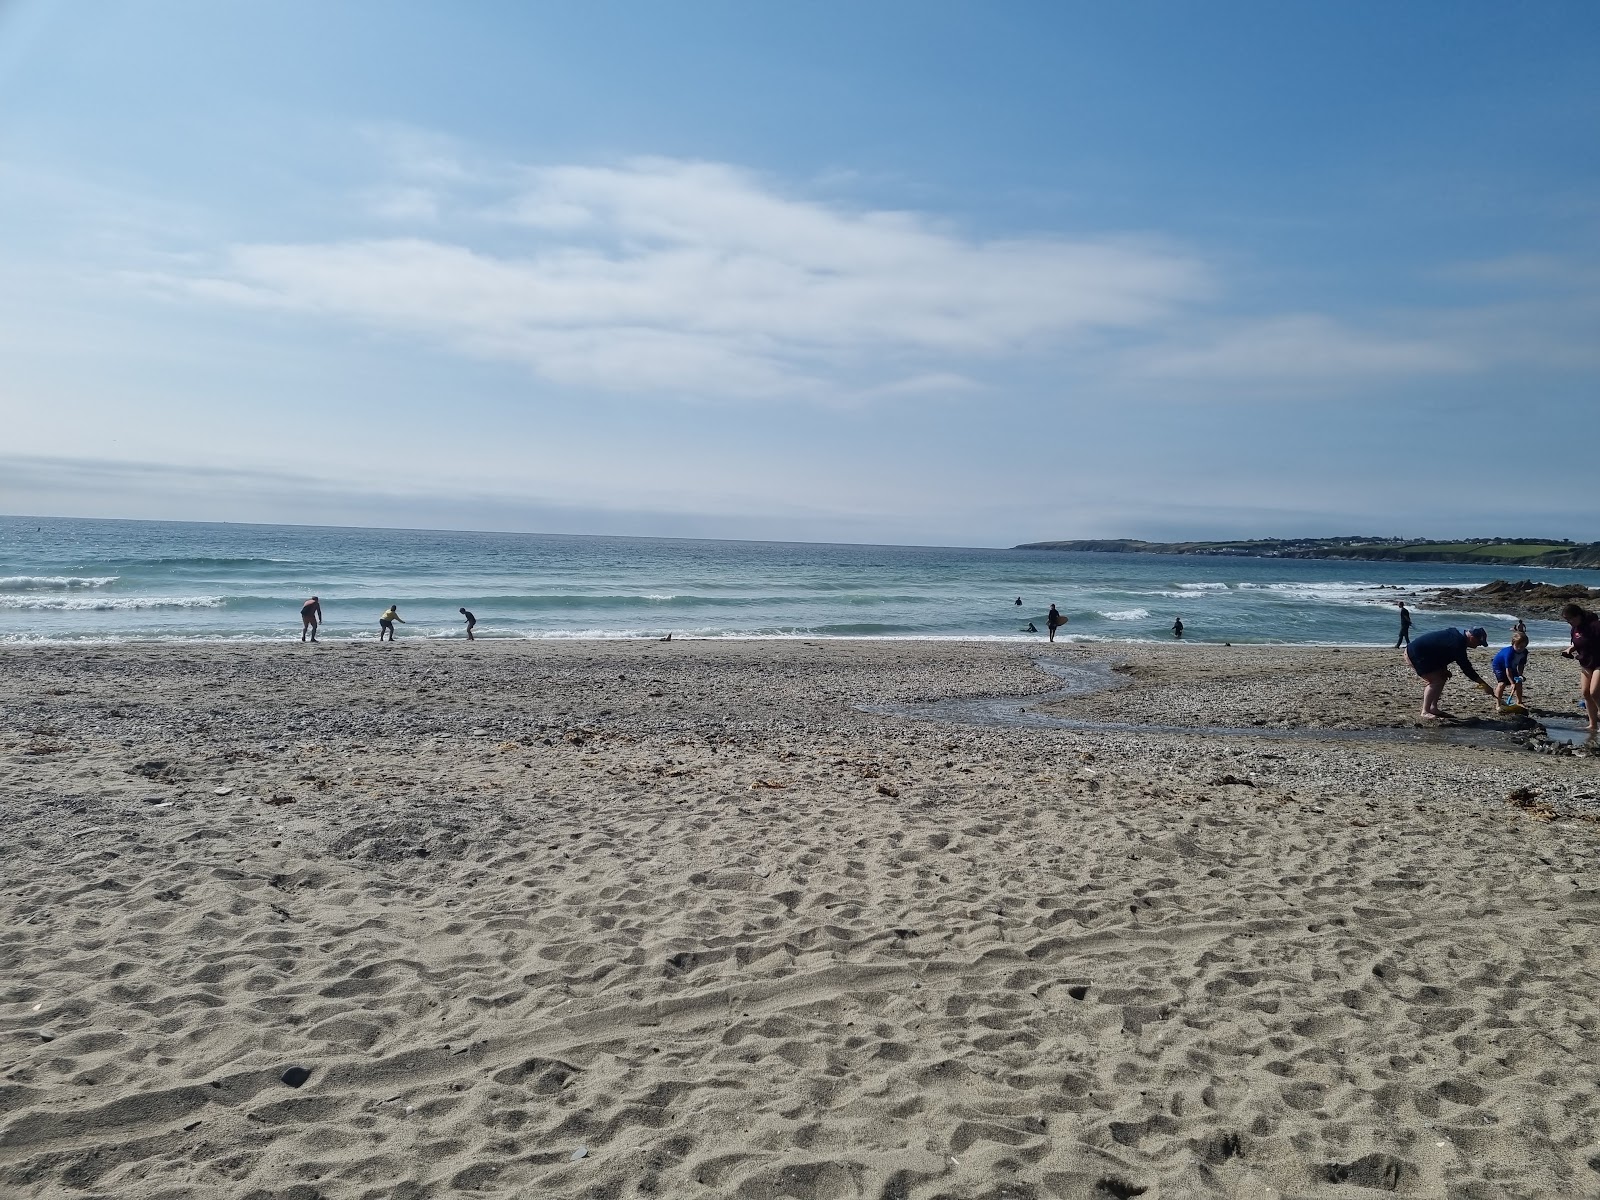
1586,649
310,618
1019,601
1177,628
1054,620
1431,656
471,621
1509,665
1405,627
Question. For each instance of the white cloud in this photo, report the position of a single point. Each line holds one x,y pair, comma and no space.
1306,348
699,278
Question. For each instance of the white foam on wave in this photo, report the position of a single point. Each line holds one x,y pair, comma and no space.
1126,614
1371,595
40,583
1184,588
108,603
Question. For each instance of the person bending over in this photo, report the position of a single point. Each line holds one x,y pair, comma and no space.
1586,649
471,621
310,618
1431,655
1509,666
386,622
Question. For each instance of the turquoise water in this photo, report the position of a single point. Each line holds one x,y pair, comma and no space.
79,580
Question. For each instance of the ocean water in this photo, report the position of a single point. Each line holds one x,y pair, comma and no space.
87,580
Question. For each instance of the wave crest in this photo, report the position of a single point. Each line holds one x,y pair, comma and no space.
50,583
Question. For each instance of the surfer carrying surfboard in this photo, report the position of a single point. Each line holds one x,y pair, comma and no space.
1054,620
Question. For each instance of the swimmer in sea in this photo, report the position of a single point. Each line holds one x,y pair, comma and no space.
1431,655
471,621
310,618
1177,628
1054,620
386,622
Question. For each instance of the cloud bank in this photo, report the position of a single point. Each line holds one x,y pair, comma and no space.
701,279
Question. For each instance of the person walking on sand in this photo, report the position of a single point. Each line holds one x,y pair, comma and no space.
386,622
310,618
1430,657
1586,649
1054,620
1509,665
1405,626
1177,628
471,621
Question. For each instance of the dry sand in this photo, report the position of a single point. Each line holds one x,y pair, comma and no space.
624,920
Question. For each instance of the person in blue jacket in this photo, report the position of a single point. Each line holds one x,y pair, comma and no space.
1431,655
1509,666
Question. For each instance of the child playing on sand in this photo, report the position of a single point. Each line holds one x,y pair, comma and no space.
1509,665
1586,649
386,622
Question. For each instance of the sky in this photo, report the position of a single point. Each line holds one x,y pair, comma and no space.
894,271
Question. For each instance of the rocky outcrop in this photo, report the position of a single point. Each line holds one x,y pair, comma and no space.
1523,597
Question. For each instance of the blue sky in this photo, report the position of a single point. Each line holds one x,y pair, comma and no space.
920,272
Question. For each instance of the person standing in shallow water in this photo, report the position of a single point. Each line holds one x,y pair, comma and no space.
1177,628
1585,648
1054,620
310,618
386,622
471,621
1405,627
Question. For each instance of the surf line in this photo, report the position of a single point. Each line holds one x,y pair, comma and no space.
1086,679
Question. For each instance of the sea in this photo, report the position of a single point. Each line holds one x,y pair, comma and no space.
76,580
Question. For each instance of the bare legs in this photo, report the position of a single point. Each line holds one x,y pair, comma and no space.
308,626
1433,689
1591,698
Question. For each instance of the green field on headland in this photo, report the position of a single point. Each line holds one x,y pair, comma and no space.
1523,552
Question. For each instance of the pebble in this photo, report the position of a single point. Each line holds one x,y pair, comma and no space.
580,1152
222,791
295,1076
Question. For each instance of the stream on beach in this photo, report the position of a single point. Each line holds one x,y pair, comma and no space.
1088,678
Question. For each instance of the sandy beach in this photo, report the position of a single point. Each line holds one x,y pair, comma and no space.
641,919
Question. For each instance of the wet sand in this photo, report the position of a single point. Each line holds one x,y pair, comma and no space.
637,919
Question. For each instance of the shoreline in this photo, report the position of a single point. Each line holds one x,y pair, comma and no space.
622,639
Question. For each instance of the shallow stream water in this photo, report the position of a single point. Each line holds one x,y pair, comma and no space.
1085,679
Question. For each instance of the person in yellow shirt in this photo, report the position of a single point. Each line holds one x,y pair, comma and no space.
386,622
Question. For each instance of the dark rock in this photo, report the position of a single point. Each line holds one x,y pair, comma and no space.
1524,597
295,1076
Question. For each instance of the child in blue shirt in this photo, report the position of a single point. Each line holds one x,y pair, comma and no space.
1509,665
